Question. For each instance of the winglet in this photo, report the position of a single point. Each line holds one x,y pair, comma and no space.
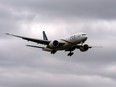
7,33
13,35
10,34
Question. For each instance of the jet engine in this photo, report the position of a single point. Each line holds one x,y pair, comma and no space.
54,44
84,48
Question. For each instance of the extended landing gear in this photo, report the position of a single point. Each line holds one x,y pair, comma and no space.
53,52
70,54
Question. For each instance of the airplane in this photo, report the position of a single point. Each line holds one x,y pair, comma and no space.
69,44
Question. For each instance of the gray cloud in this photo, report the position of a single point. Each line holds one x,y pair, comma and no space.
74,8
21,66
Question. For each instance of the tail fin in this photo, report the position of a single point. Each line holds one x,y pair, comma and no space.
44,36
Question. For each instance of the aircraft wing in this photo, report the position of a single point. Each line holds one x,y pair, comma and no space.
77,47
39,41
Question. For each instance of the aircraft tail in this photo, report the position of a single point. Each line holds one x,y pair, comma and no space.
44,36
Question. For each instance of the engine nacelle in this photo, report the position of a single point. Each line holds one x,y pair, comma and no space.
84,48
54,44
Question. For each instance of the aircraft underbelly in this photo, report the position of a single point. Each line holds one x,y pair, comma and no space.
69,45
64,47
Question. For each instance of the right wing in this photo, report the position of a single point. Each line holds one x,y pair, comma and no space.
39,41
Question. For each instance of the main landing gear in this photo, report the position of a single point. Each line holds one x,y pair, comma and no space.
70,54
53,52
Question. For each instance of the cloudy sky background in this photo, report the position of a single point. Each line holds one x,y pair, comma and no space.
21,66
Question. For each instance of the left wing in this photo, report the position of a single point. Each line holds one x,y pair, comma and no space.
39,41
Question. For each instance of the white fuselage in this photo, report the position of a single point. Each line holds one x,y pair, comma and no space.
67,44
71,41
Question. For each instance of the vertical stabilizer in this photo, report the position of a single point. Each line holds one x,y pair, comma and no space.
44,36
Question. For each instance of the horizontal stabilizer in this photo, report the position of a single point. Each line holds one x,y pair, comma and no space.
34,46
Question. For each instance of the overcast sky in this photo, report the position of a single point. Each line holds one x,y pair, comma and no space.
21,66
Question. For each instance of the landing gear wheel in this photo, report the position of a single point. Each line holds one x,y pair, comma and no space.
70,54
53,52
